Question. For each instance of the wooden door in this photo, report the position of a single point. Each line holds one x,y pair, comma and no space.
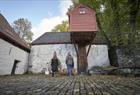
14,67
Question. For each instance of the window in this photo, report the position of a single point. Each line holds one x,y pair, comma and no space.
82,10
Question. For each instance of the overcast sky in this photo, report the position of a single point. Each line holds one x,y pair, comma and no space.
43,14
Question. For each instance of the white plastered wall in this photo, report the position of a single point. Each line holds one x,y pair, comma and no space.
8,54
98,56
41,55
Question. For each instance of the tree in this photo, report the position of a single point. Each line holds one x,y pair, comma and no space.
23,28
63,27
134,7
116,20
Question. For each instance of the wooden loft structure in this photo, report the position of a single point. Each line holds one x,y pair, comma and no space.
82,19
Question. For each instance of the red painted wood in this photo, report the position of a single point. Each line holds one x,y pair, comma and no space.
82,22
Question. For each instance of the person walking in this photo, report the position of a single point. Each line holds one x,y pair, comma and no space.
69,63
54,64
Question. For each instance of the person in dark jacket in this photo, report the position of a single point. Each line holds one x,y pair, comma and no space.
54,64
69,63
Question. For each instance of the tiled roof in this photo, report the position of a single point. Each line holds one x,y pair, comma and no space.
53,38
70,38
7,33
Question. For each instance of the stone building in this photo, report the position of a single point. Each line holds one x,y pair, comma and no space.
14,52
83,31
41,55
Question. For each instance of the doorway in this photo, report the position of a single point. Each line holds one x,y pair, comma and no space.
14,67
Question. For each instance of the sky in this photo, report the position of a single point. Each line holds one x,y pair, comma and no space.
43,14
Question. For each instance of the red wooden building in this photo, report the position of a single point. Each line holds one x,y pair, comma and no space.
82,19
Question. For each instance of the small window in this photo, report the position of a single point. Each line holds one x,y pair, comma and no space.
82,10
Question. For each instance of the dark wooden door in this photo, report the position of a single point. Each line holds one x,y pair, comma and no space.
14,67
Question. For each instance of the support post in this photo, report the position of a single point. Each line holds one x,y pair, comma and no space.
82,59
76,49
88,49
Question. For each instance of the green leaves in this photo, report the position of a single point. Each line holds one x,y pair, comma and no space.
23,28
115,19
63,27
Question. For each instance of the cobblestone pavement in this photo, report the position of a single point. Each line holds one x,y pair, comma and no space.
78,85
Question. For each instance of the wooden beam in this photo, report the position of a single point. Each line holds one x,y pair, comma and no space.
76,49
89,48
93,35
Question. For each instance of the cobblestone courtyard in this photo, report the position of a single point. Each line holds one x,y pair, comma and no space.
79,85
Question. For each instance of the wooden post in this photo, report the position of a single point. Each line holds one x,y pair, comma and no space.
82,59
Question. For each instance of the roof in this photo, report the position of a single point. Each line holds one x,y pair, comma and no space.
77,6
53,38
100,39
7,33
70,38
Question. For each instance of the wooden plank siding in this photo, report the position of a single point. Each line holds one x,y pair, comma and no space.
80,22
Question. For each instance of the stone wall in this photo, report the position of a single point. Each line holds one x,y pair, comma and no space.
41,55
10,53
124,58
119,56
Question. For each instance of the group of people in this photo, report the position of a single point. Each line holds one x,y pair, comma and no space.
55,63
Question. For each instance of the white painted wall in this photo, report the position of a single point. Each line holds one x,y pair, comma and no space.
7,58
98,56
41,55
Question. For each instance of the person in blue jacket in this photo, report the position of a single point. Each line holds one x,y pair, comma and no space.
69,63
